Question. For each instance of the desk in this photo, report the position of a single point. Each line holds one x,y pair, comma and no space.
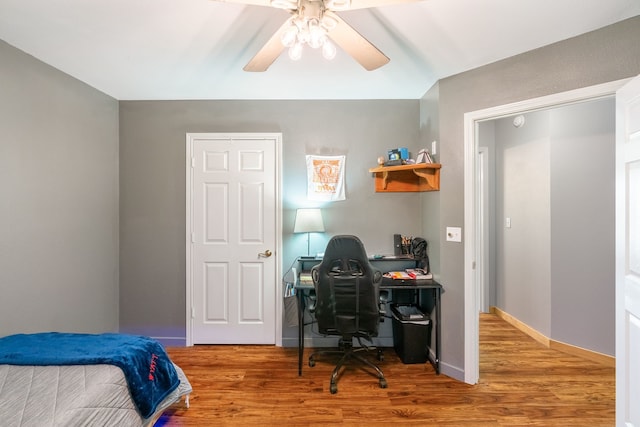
387,284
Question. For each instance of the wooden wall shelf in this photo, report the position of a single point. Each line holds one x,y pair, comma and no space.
417,177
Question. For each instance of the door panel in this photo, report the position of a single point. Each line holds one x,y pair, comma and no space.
216,220
216,292
251,308
252,219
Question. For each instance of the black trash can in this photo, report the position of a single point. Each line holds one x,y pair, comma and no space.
411,333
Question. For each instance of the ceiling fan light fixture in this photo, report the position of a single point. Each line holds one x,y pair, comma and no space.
314,22
295,51
289,36
317,35
311,31
328,50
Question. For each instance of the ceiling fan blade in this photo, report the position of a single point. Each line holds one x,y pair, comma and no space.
352,42
269,52
365,4
250,2
355,4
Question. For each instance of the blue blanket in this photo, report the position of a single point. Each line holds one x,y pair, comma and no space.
147,368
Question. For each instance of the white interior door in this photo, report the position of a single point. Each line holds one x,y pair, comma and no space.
628,254
231,249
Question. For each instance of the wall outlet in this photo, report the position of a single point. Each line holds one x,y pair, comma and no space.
454,234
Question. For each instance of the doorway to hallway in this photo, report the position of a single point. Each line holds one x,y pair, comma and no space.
474,243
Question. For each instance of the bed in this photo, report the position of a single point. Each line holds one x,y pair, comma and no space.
64,379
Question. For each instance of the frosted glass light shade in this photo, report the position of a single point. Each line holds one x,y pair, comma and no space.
317,34
295,51
289,36
328,50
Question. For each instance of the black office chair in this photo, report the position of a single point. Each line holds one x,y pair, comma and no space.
347,303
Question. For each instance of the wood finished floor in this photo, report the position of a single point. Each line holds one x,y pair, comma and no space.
522,383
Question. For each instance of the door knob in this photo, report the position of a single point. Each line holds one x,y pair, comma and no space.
265,254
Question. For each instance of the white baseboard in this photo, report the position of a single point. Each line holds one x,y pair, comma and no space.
451,371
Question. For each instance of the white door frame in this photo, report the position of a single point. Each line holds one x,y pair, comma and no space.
472,244
278,224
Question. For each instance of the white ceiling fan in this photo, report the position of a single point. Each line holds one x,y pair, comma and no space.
315,23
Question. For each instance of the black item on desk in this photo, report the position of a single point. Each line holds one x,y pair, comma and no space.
419,252
411,333
347,303
397,244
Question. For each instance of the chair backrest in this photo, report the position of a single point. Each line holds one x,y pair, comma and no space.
347,290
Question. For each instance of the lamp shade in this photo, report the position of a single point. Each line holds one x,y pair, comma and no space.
308,220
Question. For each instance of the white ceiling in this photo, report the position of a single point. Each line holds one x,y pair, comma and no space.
195,49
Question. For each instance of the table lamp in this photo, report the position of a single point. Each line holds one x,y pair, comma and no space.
308,220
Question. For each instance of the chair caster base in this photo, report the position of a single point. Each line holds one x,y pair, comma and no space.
349,354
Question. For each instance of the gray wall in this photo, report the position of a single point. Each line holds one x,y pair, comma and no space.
604,55
59,195
523,192
430,201
152,187
583,225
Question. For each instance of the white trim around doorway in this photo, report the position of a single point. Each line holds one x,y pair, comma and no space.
190,136
473,245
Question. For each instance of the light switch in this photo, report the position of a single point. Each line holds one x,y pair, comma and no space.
434,147
507,223
454,234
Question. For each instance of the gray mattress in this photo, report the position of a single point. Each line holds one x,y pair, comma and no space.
76,395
